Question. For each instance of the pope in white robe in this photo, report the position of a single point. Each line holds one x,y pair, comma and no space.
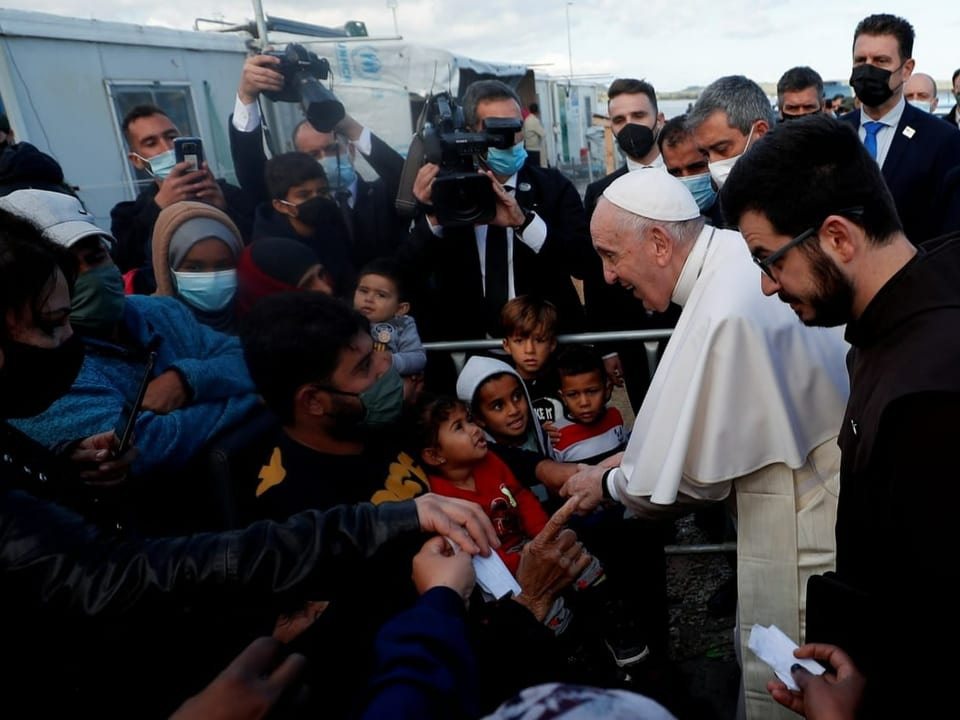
745,405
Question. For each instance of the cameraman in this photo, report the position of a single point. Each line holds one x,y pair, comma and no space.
538,239
367,206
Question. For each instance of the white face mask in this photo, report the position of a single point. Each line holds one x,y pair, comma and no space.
720,169
209,291
921,105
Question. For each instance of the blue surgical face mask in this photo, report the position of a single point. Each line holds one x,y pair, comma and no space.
921,105
339,171
701,187
207,291
159,166
507,162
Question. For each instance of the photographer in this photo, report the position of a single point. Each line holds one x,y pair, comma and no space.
367,206
536,241
150,135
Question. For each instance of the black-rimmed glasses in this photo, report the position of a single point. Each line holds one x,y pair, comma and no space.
766,263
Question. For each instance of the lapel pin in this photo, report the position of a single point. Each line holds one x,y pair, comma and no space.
524,187
909,132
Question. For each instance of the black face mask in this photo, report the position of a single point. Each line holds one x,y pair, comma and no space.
318,212
787,118
635,140
32,378
871,84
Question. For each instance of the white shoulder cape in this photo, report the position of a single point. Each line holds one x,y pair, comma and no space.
742,383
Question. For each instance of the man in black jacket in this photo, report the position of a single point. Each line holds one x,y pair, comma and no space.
88,614
367,206
150,135
538,239
822,226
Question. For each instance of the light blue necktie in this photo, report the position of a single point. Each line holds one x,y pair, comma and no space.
870,140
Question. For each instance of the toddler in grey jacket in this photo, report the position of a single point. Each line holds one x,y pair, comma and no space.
380,297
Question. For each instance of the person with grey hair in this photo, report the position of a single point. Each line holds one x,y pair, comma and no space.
799,93
537,240
743,407
730,114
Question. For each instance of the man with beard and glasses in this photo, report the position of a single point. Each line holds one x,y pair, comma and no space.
636,122
917,153
819,220
744,407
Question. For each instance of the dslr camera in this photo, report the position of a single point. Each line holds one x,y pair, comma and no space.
461,195
302,70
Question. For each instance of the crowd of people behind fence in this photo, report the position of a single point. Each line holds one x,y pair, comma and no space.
313,515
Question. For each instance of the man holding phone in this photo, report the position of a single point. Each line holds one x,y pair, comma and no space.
151,136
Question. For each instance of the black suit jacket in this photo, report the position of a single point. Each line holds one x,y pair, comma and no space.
595,189
924,152
951,117
446,270
377,228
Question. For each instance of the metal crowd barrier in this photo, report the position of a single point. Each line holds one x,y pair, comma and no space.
651,337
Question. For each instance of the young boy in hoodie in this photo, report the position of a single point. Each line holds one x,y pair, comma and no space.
501,405
300,208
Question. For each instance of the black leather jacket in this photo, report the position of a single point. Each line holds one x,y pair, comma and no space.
74,598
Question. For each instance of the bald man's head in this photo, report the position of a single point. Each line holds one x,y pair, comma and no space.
921,89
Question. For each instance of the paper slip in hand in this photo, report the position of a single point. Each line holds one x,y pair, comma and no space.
776,649
494,577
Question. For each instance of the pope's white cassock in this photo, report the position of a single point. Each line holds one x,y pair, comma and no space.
745,399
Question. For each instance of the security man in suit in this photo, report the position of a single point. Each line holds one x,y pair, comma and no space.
917,152
368,209
636,122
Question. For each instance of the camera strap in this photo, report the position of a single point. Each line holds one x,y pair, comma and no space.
406,202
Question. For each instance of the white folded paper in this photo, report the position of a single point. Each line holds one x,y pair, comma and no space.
771,645
494,577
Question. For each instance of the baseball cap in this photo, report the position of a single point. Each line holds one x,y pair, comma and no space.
654,194
60,217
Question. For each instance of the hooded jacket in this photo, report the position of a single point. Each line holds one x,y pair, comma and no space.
168,221
476,371
24,166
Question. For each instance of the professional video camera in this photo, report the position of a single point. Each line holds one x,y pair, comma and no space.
301,70
461,195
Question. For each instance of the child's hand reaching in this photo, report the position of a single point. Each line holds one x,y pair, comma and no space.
552,432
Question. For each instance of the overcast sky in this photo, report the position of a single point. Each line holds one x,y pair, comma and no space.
671,43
